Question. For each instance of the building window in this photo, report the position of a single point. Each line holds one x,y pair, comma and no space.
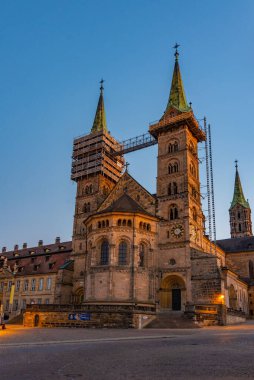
41,284
9,285
26,284
23,304
49,282
15,305
39,301
172,188
122,253
18,285
141,255
173,147
104,252
240,227
173,212
7,304
33,284
46,301
173,168
194,214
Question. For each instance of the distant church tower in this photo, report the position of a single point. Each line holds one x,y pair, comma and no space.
239,212
96,171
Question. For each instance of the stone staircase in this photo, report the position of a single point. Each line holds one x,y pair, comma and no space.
172,320
16,320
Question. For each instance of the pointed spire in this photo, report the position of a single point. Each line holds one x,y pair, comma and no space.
177,97
238,197
99,123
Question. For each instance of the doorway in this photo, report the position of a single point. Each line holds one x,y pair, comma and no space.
176,299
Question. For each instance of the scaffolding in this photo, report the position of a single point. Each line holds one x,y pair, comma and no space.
94,154
135,143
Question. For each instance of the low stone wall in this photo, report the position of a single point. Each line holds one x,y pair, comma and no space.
232,319
96,317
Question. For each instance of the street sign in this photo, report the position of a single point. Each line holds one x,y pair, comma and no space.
79,317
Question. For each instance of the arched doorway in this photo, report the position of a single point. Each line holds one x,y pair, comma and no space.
78,296
172,293
36,320
232,296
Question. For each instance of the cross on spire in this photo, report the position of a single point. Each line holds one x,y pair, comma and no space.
236,164
176,51
126,166
101,83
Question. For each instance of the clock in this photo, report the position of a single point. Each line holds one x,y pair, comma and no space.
177,231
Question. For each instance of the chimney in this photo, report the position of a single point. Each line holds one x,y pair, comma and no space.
16,247
3,249
24,245
58,240
40,243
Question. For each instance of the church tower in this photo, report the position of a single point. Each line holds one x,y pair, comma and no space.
178,193
239,212
96,170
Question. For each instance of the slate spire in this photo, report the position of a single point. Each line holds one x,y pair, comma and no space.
100,123
177,98
238,197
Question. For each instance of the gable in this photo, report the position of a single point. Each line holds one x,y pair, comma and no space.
128,185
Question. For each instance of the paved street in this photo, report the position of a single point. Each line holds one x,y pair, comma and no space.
211,353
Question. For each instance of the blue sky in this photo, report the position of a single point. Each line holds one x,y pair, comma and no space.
53,54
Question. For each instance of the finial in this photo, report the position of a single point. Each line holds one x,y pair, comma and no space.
126,166
236,164
101,83
190,104
176,51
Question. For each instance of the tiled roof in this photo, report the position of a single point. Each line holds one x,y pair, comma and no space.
243,244
39,260
125,204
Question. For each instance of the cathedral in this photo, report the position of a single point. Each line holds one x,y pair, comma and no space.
136,257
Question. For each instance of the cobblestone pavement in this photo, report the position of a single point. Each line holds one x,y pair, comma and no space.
62,353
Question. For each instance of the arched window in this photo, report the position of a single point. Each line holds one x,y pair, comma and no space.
129,223
141,255
141,225
173,168
122,253
85,208
124,222
91,189
240,227
119,222
87,190
173,147
107,223
148,227
172,188
99,224
173,212
194,214
144,226
88,209
103,224
239,215
104,252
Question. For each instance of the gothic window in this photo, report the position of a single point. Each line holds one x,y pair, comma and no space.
104,252
122,253
173,212
194,214
141,255
173,168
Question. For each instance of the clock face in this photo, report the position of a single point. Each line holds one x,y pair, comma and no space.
177,231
